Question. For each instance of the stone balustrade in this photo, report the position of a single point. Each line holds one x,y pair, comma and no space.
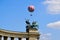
12,34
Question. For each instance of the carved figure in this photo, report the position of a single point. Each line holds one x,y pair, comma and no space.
34,24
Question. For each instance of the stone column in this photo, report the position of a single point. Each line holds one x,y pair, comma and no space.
19,38
32,38
27,38
0,37
5,37
12,38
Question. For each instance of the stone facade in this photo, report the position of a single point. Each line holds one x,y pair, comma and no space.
30,34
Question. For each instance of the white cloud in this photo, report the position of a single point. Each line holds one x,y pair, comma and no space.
53,6
55,25
46,36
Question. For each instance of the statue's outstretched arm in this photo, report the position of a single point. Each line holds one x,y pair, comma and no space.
27,22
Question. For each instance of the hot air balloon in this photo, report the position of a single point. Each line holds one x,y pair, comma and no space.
31,9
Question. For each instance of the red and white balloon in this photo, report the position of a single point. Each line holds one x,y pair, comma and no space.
31,8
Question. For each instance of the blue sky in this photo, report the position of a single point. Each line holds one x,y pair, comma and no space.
13,14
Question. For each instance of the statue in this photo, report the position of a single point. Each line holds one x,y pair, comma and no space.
34,24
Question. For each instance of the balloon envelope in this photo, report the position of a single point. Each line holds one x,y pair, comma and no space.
31,8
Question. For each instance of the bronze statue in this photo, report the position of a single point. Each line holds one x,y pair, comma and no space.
34,24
